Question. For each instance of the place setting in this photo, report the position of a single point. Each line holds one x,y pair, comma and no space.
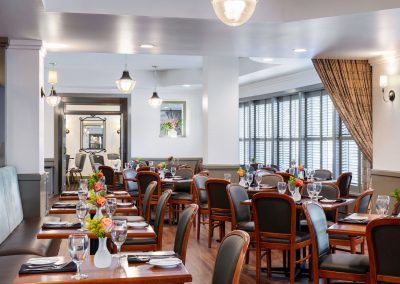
64,205
160,259
47,265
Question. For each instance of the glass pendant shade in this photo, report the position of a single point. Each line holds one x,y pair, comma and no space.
126,84
234,12
52,99
155,100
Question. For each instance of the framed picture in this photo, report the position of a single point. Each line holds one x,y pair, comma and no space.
173,119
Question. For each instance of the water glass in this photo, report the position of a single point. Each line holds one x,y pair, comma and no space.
116,163
317,189
282,187
311,190
173,171
151,163
312,173
292,189
83,184
292,171
111,207
78,246
258,179
83,194
119,233
152,169
82,209
249,179
227,177
247,167
382,204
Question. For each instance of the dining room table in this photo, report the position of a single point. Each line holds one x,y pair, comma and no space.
131,210
355,228
120,195
124,273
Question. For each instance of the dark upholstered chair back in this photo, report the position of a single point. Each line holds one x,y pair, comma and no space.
330,191
274,213
183,230
143,169
323,175
230,258
271,179
80,160
160,213
109,175
383,237
147,198
237,194
185,173
144,178
129,176
343,183
217,194
317,224
363,202
200,184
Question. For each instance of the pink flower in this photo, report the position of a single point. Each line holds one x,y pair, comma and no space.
98,186
107,224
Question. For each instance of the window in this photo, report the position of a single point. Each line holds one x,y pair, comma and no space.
304,127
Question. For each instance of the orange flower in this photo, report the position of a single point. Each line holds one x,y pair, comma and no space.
107,224
300,168
100,201
98,186
100,174
299,183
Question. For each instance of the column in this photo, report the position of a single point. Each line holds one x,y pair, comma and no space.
221,113
24,120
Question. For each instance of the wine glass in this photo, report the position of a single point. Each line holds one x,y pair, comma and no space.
83,184
292,171
111,207
153,169
312,173
382,205
311,190
78,249
292,189
83,194
258,179
116,163
247,167
317,189
227,177
119,233
173,171
249,179
82,209
151,163
282,187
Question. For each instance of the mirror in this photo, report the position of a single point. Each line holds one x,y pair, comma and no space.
93,134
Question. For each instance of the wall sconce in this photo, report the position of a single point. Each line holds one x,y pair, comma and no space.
119,131
52,99
383,83
67,131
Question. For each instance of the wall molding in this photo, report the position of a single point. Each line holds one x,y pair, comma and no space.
385,173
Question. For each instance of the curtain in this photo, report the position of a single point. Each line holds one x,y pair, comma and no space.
349,84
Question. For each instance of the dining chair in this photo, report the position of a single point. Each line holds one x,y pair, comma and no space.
271,179
241,214
275,229
230,257
151,244
110,178
182,193
343,183
362,205
80,159
219,207
199,191
325,264
285,176
182,234
130,183
143,180
384,251
323,175
143,169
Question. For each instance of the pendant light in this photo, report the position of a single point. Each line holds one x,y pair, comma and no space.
234,12
52,99
155,100
125,84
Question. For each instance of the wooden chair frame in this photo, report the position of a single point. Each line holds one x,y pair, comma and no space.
187,232
126,180
114,180
201,212
341,176
218,216
155,197
175,203
314,264
374,276
292,246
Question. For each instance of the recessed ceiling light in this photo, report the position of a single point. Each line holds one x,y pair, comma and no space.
299,50
186,85
54,45
147,45
261,59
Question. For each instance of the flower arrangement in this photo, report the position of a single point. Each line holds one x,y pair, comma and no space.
396,194
241,172
99,226
295,182
97,199
162,166
300,168
95,178
171,123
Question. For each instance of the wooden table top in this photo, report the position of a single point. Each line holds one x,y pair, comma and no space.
64,233
325,206
125,210
254,190
127,273
352,229
117,196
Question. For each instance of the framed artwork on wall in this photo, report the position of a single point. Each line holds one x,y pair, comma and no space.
173,119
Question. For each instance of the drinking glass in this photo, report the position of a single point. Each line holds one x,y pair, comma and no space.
83,184
152,169
83,194
116,163
227,177
282,187
382,204
247,167
292,189
292,171
312,173
173,171
82,209
151,163
126,166
311,190
78,249
249,179
111,207
308,173
317,189
258,179
118,235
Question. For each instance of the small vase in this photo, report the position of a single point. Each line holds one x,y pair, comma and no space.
99,213
242,182
172,133
102,258
297,195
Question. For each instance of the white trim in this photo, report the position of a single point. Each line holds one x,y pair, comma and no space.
28,44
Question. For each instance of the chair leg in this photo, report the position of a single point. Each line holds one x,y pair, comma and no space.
198,225
284,261
170,213
258,263
247,256
363,246
292,265
210,232
269,263
353,248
